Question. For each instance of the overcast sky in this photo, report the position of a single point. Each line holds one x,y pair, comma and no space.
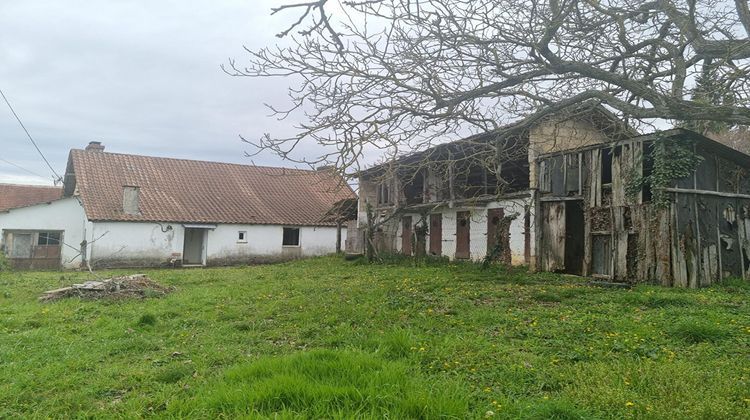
140,76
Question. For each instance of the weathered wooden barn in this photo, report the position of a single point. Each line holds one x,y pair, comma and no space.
471,199
671,207
584,194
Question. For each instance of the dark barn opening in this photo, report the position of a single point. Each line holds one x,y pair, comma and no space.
574,237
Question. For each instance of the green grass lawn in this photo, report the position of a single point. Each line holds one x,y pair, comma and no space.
326,338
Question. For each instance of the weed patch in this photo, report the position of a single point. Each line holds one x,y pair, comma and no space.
699,332
147,319
173,374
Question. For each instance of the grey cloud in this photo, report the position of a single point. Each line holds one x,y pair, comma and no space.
141,76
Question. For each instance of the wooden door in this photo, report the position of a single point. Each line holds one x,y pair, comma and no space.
553,236
436,234
406,234
463,226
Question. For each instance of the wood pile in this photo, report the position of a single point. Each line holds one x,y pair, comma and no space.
133,286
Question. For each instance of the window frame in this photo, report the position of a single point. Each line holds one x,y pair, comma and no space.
283,237
241,236
46,235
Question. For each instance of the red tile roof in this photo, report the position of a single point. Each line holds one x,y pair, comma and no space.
178,190
13,196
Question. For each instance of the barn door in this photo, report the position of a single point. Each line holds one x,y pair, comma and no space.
436,234
463,226
553,236
406,234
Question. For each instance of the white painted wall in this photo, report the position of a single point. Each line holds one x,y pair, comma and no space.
129,243
66,215
265,242
478,229
135,243
149,244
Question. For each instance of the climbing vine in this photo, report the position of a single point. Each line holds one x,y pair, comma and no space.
672,160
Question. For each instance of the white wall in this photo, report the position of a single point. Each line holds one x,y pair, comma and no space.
478,229
135,243
148,244
264,242
153,244
66,215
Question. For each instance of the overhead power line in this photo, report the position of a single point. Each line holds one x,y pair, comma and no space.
57,176
22,168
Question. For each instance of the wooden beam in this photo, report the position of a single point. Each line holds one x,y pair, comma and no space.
707,192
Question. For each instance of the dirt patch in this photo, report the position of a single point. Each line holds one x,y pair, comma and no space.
133,286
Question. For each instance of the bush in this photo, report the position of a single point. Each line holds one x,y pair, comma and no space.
4,264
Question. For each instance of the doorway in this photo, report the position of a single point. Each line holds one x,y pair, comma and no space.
194,249
436,234
463,226
574,237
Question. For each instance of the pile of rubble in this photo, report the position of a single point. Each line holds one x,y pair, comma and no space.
133,286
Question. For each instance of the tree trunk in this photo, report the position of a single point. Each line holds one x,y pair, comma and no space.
338,236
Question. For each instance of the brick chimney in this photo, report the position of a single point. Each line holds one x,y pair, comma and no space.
95,146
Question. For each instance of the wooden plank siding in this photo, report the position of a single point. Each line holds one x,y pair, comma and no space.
701,237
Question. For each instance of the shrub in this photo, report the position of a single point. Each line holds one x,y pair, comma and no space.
4,264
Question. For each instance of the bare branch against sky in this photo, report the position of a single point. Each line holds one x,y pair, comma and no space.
401,75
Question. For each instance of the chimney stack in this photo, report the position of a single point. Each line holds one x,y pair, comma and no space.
95,146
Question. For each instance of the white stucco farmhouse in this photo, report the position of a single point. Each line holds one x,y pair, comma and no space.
120,210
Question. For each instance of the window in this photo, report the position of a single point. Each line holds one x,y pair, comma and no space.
384,194
242,236
291,237
545,184
22,244
49,238
606,156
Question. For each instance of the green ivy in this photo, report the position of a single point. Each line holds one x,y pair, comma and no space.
673,159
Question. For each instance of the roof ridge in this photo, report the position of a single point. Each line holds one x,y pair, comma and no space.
198,160
12,184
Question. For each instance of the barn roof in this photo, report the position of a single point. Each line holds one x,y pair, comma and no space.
180,190
13,195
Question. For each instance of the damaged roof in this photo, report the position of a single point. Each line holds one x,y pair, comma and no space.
515,134
14,196
179,190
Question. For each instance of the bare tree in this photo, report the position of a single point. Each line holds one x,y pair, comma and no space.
400,75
